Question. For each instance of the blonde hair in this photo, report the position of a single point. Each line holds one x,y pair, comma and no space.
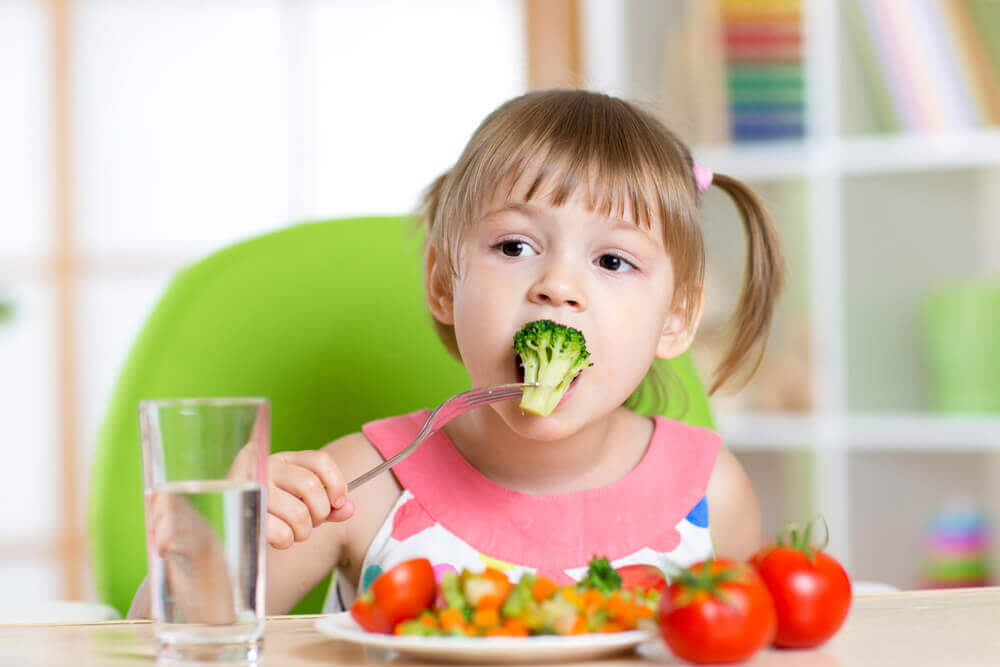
569,138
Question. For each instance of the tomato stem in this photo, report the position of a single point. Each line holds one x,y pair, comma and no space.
706,581
801,540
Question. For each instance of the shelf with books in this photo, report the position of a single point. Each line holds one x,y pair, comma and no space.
740,64
919,67
736,72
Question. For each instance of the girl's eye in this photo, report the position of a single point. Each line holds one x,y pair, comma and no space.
513,248
614,263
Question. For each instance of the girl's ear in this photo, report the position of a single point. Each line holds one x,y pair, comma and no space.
437,290
678,331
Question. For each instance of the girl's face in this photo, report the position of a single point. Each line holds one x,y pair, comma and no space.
609,278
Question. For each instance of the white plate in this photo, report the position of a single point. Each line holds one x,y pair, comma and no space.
497,650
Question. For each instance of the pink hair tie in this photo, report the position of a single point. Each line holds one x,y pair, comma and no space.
702,176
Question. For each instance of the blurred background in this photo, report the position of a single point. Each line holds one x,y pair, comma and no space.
138,136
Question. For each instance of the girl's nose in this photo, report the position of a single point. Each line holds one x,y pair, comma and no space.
558,288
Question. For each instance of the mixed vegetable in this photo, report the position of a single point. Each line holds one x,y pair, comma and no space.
790,594
487,604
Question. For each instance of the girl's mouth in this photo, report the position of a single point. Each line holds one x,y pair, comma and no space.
572,386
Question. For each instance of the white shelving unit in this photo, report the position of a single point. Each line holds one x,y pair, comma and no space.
879,432
849,156
828,166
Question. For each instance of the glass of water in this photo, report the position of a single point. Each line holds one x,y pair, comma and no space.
204,475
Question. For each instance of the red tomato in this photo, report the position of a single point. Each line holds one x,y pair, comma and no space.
811,590
369,616
717,611
397,595
643,577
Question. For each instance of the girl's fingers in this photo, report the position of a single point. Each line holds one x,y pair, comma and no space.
322,465
342,514
279,534
303,484
291,510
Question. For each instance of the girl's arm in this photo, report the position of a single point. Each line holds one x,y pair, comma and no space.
292,571
734,515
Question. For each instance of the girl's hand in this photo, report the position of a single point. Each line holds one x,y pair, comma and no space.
305,489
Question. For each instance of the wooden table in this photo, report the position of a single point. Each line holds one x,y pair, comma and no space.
954,628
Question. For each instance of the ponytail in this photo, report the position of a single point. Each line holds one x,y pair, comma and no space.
762,281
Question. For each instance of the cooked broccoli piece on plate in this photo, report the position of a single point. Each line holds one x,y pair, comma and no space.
602,576
552,355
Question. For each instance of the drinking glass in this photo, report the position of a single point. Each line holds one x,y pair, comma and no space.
204,479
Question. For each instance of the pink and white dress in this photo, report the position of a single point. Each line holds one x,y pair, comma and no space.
454,516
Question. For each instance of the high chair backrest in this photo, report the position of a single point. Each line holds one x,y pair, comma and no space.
326,319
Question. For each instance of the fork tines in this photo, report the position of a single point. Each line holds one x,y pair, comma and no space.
488,397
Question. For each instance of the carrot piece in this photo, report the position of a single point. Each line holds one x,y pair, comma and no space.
611,627
593,599
580,626
616,606
486,618
515,628
452,619
642,611
543,589
625,613
510,628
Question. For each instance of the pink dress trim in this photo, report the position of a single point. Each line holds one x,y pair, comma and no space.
554,532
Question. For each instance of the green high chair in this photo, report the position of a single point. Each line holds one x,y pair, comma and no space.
327,320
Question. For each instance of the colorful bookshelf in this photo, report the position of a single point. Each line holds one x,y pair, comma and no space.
765,78
929,66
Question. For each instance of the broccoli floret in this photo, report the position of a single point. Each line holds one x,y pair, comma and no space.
552,355
601,575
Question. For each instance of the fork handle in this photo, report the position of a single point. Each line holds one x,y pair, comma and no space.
388,463
473,398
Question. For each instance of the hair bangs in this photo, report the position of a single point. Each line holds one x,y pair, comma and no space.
608,151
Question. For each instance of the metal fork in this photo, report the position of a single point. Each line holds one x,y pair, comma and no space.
444,413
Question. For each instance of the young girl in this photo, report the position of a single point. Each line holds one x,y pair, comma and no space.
580,208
